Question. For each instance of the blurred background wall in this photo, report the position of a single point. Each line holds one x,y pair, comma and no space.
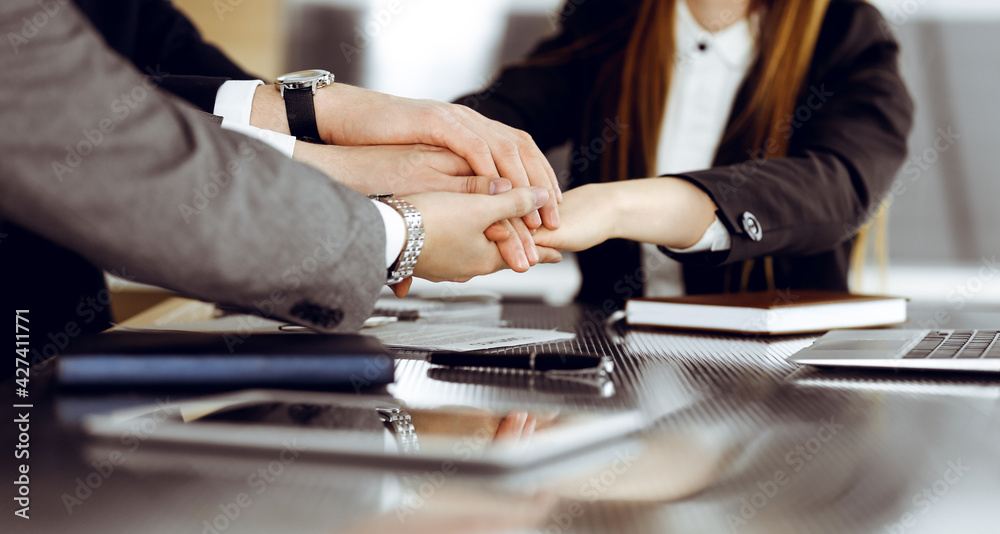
943,226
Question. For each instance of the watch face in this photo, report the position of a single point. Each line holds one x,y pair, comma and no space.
306,78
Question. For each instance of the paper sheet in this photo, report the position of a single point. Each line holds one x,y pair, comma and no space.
423,336
230,324
415,335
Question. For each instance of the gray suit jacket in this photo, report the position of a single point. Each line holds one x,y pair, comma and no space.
96,160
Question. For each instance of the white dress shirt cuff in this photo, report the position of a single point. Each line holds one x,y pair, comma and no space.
395,232
280,142
716,237
234,102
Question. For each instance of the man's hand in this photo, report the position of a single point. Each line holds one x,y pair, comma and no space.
455,247
398,169
349,115
407,169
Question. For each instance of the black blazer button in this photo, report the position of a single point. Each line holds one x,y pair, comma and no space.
752,226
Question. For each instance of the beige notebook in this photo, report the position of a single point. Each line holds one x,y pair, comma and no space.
768,312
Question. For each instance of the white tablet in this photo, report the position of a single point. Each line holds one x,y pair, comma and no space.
372,430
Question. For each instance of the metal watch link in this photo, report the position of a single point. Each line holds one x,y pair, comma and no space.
298,89
403,268
399,422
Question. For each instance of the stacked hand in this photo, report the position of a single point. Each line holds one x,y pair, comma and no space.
399,169
379,143
351,116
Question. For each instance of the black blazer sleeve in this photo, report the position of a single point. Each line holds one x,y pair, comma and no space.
847,142
549,99
161,42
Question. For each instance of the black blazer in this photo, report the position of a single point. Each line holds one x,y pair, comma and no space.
160,40
855,114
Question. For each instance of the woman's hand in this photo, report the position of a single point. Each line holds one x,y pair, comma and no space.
588,218
664,211
455,247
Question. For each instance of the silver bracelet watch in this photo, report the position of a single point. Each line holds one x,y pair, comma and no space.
403,268
398,421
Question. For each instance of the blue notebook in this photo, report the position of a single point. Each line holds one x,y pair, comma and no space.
173,359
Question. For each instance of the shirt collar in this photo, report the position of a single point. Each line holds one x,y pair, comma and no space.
735,44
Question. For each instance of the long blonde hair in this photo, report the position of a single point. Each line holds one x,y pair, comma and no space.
787,37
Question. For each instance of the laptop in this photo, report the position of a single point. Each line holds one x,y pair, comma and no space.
938,350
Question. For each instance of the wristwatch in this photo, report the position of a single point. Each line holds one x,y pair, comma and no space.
398,421
298,88
403,268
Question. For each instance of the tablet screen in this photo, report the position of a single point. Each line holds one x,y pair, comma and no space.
362,426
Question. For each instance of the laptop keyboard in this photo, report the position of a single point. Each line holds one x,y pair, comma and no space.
964,344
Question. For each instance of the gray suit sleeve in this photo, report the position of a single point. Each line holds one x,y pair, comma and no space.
96,159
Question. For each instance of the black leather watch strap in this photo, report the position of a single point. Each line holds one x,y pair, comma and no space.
301,115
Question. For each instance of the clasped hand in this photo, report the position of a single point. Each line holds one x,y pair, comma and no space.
378,143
